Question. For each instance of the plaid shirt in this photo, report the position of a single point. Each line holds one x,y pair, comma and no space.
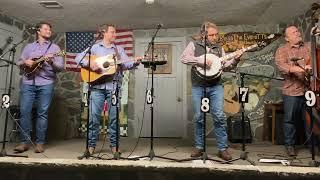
294,83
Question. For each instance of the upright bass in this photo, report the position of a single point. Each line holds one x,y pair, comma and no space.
314,78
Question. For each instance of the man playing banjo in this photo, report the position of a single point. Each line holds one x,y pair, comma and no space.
193,55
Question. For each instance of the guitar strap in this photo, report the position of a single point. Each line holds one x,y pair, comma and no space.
117,55
47,48
117,52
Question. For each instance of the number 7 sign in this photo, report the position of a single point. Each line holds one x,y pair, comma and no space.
243,94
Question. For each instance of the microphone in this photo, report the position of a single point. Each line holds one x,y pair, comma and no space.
102,31
100,34
159,25
10,39
295,59
31,28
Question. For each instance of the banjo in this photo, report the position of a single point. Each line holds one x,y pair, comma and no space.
214,71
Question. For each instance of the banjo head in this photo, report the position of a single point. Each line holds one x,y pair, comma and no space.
214,69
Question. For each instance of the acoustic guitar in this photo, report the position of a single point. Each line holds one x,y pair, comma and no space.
107,64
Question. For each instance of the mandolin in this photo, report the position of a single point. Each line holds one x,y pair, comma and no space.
37,64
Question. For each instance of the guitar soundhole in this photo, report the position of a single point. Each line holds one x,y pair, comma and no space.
106,64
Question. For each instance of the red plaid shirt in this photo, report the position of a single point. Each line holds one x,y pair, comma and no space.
294,83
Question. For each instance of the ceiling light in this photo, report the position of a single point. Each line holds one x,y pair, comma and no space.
51,4
149,1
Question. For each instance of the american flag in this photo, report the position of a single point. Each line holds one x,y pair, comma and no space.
77,42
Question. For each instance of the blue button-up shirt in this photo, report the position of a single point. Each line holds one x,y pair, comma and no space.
100,49
47,74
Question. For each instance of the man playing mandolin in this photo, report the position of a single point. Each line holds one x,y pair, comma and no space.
192,56
38,87
103,89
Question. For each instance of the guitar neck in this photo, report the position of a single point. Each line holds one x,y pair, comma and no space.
123,61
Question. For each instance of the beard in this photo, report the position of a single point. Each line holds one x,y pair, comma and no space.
298,40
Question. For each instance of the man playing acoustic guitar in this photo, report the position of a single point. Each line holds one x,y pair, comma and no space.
38,87
103,88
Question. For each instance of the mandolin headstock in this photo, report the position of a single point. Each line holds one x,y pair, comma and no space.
61,53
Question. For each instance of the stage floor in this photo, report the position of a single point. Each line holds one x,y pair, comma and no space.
167,147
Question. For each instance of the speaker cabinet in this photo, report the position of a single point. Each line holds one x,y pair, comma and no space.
235,129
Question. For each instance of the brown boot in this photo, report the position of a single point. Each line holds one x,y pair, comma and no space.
39,148
291,151
21,148
225,155
114,150
196,152
91,150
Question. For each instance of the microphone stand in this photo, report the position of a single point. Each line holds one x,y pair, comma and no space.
7,61
204,156
4,65
244,153
115,101
86,153
153,65
12,51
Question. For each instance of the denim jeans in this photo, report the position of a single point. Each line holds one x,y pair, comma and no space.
41,96
294,112
97,99
216,97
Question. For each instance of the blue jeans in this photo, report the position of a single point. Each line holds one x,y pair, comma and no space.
294,112
97,99
41,96
216,97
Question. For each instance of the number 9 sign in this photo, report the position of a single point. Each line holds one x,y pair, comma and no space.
310,98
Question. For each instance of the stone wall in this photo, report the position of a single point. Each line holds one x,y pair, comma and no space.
65,110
